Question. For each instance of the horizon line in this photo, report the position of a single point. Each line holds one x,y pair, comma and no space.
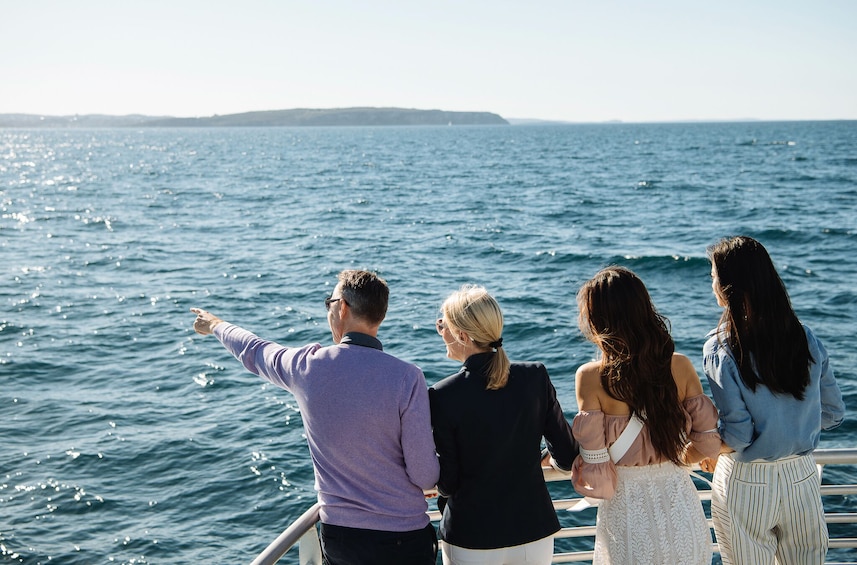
533,120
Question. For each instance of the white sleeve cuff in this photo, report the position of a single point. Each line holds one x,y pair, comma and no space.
595,455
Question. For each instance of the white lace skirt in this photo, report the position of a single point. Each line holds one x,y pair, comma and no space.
654,518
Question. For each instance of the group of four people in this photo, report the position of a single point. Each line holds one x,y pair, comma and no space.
379,441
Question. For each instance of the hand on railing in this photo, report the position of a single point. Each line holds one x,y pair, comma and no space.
550,468
708,464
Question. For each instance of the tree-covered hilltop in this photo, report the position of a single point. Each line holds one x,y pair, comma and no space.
341,117
295,117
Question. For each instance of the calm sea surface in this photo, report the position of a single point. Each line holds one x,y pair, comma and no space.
127,438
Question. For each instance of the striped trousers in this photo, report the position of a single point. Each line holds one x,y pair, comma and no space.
768,512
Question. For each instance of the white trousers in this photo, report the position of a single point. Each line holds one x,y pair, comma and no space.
767,513
539,552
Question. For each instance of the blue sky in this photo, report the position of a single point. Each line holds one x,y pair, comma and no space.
563,60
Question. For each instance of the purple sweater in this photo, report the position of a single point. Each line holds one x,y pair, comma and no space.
367,421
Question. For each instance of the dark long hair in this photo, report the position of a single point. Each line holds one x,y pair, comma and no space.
761,328
617,315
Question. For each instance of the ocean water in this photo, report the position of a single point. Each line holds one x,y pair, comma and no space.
127,438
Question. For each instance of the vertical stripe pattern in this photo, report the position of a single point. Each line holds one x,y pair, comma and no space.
768,512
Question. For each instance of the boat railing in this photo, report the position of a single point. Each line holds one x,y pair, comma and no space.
303,532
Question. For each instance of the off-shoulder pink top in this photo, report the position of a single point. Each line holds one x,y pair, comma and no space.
596,430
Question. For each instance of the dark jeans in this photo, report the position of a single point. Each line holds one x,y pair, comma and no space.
355,546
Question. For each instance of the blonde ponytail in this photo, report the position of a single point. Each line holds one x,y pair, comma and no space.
475,312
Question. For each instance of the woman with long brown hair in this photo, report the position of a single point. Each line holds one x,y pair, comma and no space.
650,512
771,379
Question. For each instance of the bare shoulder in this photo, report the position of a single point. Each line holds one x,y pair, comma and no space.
587,385
681,363
588,374
686,377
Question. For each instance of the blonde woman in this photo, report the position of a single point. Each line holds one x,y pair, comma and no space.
489,419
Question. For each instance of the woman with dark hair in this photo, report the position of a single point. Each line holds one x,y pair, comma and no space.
771,380
489,419
645,403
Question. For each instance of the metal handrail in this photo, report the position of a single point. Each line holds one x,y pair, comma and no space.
303,529
290,536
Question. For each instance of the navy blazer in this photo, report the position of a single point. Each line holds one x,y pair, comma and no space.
489,443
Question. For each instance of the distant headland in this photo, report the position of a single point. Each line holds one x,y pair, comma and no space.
299,117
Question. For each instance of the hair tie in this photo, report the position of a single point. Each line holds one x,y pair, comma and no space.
496,344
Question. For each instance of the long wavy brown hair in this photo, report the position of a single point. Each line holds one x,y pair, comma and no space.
766,338
617,315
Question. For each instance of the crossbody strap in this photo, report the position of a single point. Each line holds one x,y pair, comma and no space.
626,438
